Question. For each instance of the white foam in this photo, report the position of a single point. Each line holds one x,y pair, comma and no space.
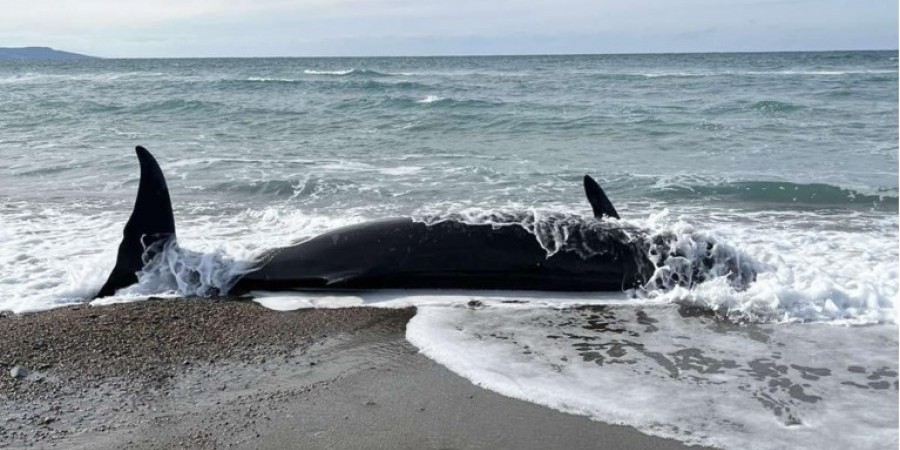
404,298
806,269
280,301
266,79
328,72
187,273
804,273
54,257
810,268
357,167
692,379
107,77
400,170
346,166
341,72
430,99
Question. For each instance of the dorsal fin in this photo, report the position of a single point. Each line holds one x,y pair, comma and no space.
599,202
151,222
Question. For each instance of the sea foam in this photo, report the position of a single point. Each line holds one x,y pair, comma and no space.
694,379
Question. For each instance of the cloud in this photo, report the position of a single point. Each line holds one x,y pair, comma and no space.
85,15
365,27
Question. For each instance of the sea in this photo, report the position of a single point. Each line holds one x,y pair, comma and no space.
787,162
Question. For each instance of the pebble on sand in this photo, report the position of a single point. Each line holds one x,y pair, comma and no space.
18,372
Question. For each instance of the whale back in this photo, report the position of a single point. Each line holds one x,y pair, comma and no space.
151,222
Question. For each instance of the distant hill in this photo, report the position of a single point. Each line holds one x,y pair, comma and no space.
22,53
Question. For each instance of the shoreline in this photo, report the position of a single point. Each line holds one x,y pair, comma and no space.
199,373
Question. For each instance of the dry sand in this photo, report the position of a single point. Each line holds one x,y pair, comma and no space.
212,374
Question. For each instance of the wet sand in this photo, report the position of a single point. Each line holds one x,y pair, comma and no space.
213,374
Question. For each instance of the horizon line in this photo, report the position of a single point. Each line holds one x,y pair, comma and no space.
487,55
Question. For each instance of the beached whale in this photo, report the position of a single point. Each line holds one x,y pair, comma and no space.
599,254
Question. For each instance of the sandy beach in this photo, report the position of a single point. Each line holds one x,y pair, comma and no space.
216,374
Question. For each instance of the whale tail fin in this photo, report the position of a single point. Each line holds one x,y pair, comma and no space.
599,201
151,222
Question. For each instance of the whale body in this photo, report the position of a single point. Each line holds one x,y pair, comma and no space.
402,253
406,254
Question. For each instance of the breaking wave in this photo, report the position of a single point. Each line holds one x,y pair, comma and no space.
685,258
431,99
673,374
680,257
350,72
775,192
175,270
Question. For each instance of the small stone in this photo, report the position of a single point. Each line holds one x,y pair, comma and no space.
18,372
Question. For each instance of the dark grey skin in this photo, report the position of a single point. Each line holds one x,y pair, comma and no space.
401,253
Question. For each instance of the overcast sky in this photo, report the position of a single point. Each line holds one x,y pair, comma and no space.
180,28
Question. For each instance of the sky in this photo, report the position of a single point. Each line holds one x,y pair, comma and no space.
213,28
